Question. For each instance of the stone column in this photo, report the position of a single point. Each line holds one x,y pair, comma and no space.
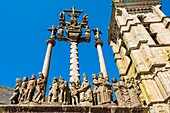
74,62
45,70
98,45
50,43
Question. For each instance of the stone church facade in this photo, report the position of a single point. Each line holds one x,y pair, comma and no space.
139,35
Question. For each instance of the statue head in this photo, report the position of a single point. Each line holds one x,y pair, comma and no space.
94,76
18,81
106,78
114,80
61,80
73,84
25,78
85,77
55,80
33,77
132,79
40,75
100,75
127,80
122,78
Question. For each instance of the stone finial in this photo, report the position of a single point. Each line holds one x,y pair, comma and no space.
53,31
97,33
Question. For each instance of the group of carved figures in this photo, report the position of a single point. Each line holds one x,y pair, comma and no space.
24,91
126,91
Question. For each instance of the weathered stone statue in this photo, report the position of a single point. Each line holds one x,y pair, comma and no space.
85,92
124,92
108,91
23,89
54,90
30,88
133,96
97,33
40,87
101,89
120,98
135,84
87,32
15,95
63,87
60,30
74,93
96,85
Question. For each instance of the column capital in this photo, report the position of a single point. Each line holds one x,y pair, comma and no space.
100,42
51,40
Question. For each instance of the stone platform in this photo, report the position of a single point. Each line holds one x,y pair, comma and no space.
69,109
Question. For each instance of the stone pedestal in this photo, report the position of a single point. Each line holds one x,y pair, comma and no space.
69,109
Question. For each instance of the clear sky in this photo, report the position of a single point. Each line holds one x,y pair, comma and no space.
23,32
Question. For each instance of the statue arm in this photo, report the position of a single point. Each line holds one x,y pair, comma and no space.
84,87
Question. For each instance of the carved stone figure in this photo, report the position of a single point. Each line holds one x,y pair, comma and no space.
74,93
40,95
63,87
101,89
108,91
96,85
23,89
30,88
15,95
124,92
54,90
120,98
87,32
97,33
62,17
133,96
85,92
135,86
60,30
85,19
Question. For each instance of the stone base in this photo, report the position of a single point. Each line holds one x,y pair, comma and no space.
70,109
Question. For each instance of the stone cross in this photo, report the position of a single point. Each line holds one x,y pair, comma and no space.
74,37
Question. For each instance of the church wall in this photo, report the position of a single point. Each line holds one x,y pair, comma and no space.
144,50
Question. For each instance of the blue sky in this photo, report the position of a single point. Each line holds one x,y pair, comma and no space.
23,32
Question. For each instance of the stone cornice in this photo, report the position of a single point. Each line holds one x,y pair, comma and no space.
70,109
136,4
